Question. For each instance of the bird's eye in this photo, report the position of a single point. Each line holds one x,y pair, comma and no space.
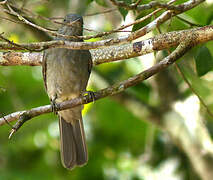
64,20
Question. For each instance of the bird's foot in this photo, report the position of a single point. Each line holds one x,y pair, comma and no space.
91,95
54,105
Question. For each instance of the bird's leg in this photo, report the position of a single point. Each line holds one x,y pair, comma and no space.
91,95
54,105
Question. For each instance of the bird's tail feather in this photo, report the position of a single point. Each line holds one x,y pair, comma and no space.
73,145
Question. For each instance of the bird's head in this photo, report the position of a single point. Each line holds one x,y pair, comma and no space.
73,25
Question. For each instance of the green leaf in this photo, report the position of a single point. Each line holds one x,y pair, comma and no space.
210,19
198,84
101,3
123,12
195,15
142,24
89,1
42,10
204,61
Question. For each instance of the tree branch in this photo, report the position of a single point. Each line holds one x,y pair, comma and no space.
128,38
39,34
19,58
159,20
137,7
108,54
3,2
155,4
100,34
112,90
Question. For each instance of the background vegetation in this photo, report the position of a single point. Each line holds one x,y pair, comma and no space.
123,141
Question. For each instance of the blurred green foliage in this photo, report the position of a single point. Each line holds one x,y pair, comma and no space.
121,144
204,61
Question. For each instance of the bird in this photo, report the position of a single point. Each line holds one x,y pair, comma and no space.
66,73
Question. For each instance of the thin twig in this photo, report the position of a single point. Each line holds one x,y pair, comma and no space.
11,20
37,26
91,30
14,44
188,22
139,33
7,122
152,4
99,34
138,2
103,12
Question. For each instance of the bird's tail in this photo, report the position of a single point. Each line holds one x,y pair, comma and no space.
73,144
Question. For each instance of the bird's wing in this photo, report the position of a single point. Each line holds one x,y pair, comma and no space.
44,68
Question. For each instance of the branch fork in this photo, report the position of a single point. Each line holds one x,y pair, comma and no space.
24,116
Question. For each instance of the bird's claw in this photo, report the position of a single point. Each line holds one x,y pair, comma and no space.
54,106
91,95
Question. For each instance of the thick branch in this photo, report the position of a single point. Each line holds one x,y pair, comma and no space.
167,40
108,54
112,90
19,58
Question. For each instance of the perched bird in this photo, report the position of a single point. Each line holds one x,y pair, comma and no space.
66,73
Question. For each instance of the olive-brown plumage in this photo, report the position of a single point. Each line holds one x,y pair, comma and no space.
66,73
